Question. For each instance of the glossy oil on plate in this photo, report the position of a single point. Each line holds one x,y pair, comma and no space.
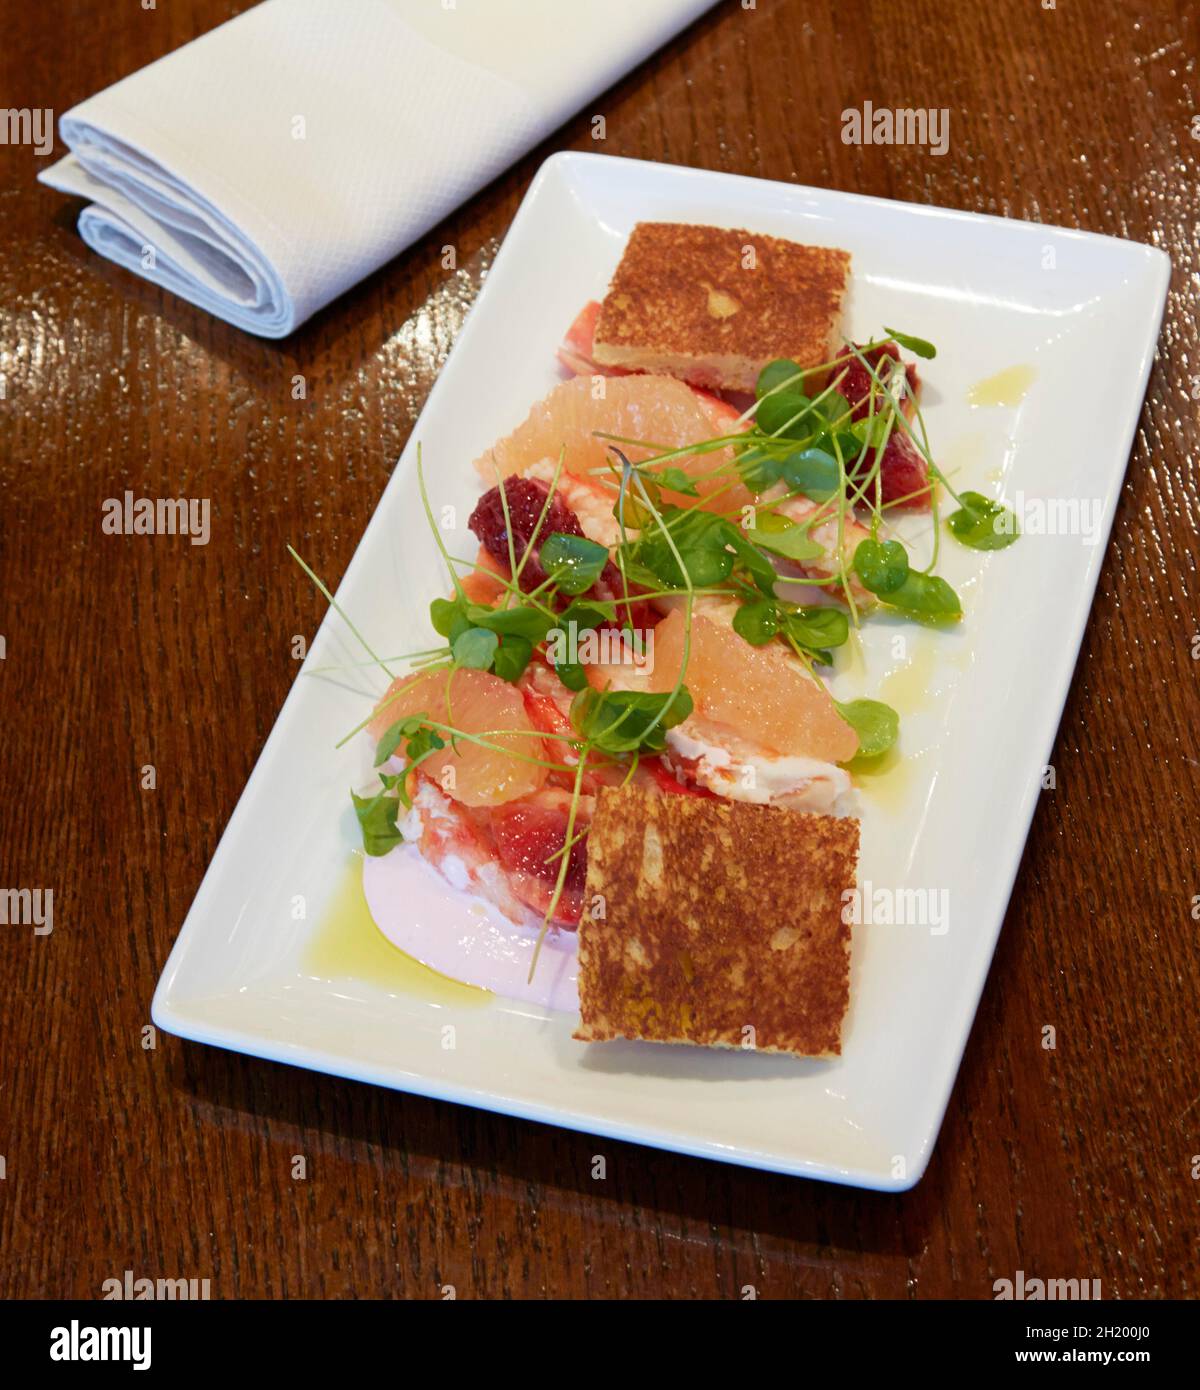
1045,340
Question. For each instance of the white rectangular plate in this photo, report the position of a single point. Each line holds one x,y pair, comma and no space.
980,705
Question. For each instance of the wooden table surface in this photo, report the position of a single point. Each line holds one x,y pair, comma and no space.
176,1162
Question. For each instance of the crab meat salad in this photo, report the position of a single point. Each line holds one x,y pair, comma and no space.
668,569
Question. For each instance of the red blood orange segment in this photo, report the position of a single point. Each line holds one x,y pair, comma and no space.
482,704
904,475
528,835
760,692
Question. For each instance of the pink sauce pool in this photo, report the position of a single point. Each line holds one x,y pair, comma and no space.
462,936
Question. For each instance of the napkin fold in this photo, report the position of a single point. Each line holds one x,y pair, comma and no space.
269,165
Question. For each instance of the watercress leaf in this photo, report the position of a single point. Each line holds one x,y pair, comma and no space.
925,596
631,505
757,622
475,648
759,468
527,621
704,567
920,346
690,526
422,742
676,480
756,564
833,407
873,431
631,513
814,472
816,628
701,538
444,613
793,542
391,740
410,727
512,657
775,373
573,562
635,572
788,414
619,721
377,821
876,724
844,440
588,613
572,674
881,565
983,524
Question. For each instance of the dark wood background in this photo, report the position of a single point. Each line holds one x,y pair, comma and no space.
176,1162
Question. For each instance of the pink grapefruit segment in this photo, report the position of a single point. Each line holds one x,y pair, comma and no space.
481,704
759,691
663,412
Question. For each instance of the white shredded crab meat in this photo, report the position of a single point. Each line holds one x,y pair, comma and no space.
592,504
825,533
716,758
437,826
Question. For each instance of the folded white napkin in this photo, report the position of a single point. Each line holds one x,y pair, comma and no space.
269,165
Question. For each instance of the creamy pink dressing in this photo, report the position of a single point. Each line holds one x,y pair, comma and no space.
464,937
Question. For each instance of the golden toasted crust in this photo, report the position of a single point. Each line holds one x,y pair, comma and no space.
715,918
714,306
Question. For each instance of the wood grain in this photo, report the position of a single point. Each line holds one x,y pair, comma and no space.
176,1162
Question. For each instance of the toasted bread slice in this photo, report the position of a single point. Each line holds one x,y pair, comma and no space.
715,922
714,306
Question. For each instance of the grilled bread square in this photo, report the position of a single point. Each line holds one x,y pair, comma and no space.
706,919
714,306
